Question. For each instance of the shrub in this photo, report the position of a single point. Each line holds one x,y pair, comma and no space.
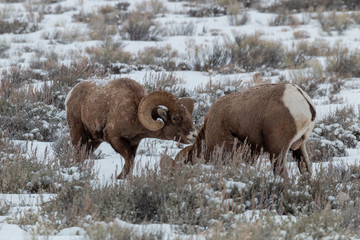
180,29
107,53
62,78
318,47
103,22
212,11
301,34
31,121
252,52
163,56
237,14
310,81
21,174
344,63
13,22
296,59
115,230
335,133
3,48
153,6
66,36
206,58
15,26
164,81
307,5
140,26
16,76
334,22
200,198
284,18
355,16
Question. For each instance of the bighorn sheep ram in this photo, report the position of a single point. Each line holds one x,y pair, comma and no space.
274,117
121,113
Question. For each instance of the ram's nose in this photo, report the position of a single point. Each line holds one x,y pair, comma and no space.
191,137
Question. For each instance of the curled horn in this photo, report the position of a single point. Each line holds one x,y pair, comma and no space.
151,101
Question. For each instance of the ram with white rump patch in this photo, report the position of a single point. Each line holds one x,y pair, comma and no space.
121,113
273,117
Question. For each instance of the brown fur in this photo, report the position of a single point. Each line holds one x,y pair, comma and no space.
258,116
98,112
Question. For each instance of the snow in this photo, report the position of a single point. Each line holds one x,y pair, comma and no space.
12,231
207,30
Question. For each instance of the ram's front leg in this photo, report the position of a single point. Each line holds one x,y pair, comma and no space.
128,152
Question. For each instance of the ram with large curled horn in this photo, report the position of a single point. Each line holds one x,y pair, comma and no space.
121,113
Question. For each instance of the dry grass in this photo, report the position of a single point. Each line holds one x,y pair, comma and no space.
201,197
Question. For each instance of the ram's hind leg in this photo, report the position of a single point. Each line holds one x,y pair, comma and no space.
302,159
278,149
279,162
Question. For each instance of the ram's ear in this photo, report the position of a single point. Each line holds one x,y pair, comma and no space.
188,103
163,113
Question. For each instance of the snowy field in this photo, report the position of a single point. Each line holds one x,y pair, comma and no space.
55,44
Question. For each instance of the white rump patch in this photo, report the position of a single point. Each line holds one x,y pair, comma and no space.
300,110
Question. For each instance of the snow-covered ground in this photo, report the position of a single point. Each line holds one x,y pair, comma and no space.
207,31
